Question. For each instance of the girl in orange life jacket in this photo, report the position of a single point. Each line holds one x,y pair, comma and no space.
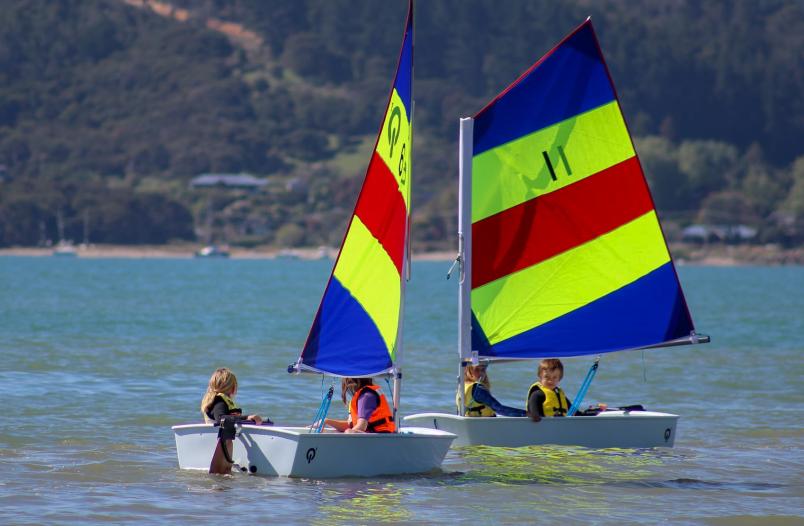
218,402
369,411
478,400
545,397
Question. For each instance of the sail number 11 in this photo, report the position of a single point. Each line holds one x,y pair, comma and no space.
549,163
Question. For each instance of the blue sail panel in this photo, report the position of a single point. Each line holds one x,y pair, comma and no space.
569,80
343,328
646,312
403,84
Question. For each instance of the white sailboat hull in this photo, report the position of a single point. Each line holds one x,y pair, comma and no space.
295,452
610,429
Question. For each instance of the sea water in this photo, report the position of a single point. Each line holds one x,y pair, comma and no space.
100,358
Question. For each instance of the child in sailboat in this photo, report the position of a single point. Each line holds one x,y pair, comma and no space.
217,406
478,400
545,397
369,411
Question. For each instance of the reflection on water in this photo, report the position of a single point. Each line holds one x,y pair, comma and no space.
363,502
555,465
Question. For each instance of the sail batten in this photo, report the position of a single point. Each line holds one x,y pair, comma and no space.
356,328
568,257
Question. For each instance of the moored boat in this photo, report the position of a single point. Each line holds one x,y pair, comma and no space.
213,251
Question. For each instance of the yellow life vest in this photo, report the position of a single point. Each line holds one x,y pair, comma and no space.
230,404
471,406
555,403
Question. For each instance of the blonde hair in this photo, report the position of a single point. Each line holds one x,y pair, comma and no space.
549,364
222,381
470,374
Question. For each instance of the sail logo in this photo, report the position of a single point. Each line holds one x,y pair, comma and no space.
394,131
394,124
563,159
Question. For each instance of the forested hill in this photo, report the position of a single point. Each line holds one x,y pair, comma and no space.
108,108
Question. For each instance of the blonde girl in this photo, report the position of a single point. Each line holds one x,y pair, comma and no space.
219,398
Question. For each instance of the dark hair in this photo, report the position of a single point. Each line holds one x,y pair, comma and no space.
352,385
549,364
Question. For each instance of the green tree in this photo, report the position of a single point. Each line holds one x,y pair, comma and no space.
669,186
794,202
290,235
728,208
709,166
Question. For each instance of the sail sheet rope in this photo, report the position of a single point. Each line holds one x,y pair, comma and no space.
584,387
323,409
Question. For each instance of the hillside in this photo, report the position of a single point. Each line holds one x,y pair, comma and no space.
109,107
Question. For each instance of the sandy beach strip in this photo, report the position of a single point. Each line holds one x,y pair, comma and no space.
684,254
188,252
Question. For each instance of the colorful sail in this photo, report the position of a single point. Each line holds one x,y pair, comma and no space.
568,257
355,332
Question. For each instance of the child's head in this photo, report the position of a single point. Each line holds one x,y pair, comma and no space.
349,386
222,381
477,373
550,373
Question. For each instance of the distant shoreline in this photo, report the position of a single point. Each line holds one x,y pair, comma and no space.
683,253
188,252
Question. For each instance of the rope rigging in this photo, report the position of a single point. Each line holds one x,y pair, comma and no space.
584,387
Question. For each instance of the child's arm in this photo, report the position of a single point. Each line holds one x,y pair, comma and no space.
219,409
536,405
339,425
482,395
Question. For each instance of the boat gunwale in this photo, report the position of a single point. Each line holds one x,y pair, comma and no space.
608,415
408,432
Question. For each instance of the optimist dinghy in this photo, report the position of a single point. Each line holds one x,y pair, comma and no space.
560,249
357,330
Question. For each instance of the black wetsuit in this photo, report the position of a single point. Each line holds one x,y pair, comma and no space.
219,409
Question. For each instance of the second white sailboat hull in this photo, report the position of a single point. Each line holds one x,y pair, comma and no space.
610,429
295,452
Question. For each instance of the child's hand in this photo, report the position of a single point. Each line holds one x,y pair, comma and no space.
257,419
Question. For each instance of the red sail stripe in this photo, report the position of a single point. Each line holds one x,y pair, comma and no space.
548,225
381,208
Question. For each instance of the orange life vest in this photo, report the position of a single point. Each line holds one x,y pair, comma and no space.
381,420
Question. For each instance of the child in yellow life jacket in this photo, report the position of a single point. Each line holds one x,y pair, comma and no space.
478,400
219,398
218,403
369,410
545,397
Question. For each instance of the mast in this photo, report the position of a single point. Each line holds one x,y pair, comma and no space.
397,369
465,140
405,274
